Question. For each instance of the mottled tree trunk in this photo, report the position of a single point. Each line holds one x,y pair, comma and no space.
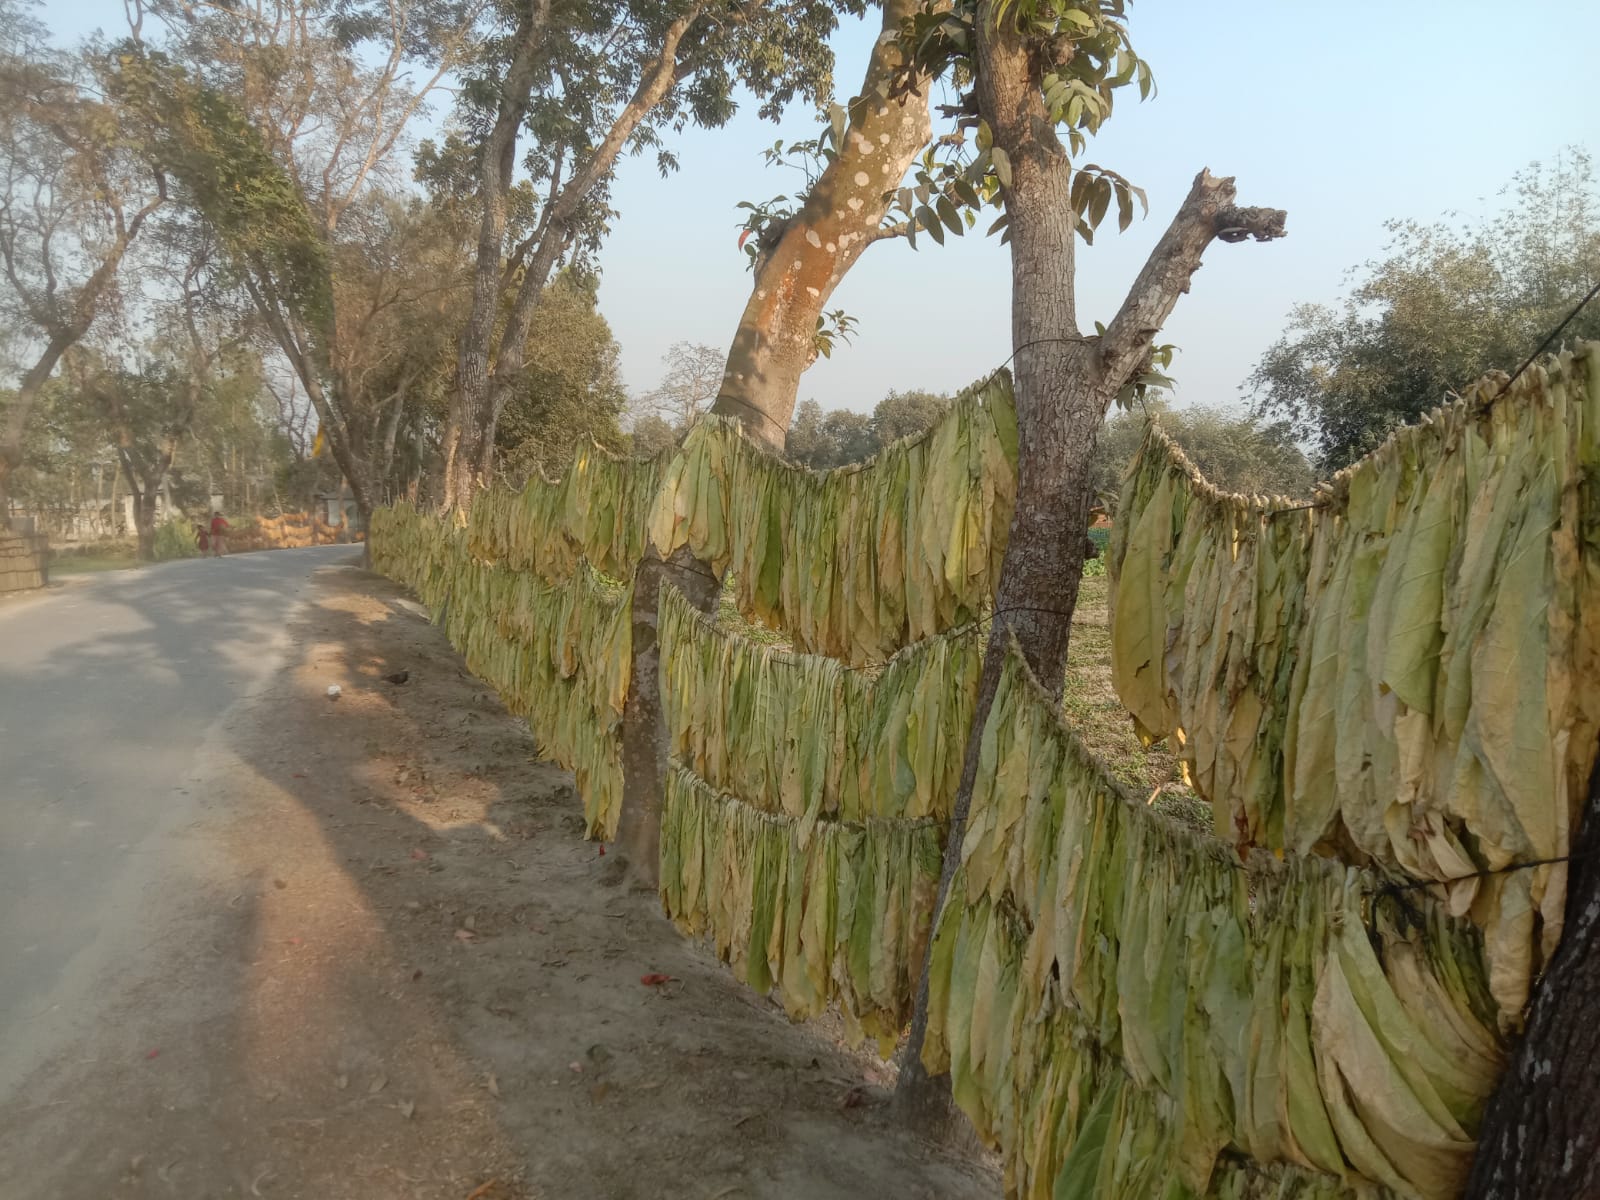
797,272
1541,1134
1064,385
771,349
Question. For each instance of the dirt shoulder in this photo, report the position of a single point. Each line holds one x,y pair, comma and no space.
384,964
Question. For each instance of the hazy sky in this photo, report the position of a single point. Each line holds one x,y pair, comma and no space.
1345,115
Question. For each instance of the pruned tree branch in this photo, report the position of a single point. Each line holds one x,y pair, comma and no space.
1208,212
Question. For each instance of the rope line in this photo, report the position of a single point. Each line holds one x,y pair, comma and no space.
769,419
1553,334
1490,402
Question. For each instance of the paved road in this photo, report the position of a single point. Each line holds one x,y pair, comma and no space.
108,690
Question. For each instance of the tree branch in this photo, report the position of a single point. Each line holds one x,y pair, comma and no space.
1208,212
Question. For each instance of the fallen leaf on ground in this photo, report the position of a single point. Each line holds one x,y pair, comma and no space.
655,979
466,935
377,1085
406,1108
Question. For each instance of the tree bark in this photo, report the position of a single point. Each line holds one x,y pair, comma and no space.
644,732
497,170
1065,382
774,344
796,274
144,524
344,437
1540,1138
469,440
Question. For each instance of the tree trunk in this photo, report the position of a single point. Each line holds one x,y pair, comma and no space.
144,522
1064,384
774,343
796,274
344,437
1059,408
644,733
1540,1138
469,437
391,431
494,184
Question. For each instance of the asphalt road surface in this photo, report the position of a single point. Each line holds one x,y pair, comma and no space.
109,688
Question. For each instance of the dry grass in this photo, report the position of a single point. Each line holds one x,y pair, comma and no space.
1093,710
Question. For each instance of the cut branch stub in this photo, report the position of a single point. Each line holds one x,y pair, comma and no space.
1263,224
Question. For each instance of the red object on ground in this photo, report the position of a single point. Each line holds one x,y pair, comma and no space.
655,979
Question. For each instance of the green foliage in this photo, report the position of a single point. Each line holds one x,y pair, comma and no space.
175,538
204,139
571,388
651,435
1082,56
904,414
1445,305
820,440
833,328
1237,453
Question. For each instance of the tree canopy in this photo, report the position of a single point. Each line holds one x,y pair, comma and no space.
1236,452
1448,302
821,439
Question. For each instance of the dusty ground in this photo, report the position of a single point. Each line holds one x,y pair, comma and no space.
390,967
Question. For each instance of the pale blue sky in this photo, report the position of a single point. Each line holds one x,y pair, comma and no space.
1345,115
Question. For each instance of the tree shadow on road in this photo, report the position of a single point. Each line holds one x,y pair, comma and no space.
437,984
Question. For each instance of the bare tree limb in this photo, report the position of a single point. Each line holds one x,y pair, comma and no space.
1208,212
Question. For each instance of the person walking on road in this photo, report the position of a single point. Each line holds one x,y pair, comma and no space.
219,535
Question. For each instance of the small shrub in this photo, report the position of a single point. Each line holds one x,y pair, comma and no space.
175,539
